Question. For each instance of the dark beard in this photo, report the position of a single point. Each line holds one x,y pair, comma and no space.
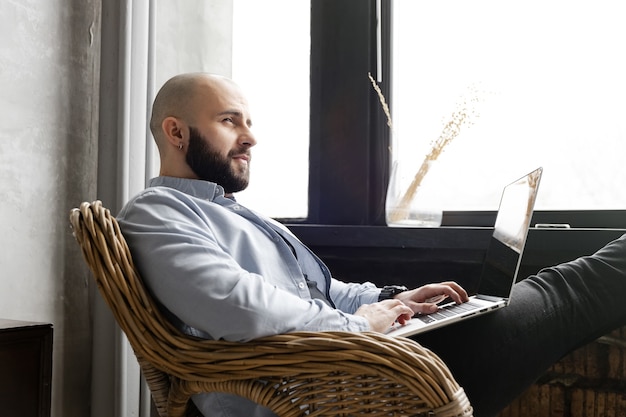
209,165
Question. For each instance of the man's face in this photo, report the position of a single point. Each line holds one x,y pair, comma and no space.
220,137
231,171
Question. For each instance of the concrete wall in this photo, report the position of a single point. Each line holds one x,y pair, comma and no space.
50,58
49,71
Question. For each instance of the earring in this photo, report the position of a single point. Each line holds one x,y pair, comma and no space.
180,146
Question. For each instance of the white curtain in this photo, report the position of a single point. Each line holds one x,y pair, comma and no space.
126,158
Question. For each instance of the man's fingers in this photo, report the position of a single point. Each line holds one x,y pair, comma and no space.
426,308
459,290
447,289
436,299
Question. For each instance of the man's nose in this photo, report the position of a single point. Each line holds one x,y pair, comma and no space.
247,138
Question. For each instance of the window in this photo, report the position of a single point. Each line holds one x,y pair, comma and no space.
271,45
549,77
344,156
264,46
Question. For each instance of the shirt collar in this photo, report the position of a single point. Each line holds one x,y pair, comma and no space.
197,188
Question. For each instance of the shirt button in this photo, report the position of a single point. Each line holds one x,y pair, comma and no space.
301,285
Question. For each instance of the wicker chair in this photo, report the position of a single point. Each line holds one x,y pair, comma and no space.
295,374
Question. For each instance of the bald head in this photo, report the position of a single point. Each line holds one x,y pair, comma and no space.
179,98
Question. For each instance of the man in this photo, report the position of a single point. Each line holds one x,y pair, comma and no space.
222,271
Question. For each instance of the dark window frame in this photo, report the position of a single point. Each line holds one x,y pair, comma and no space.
349,147
349,139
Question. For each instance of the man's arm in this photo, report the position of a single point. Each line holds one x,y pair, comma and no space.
219,273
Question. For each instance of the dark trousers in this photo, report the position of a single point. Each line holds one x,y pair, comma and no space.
495,357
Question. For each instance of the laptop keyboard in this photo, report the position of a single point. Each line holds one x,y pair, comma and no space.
449,310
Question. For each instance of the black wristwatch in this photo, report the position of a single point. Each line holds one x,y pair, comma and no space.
390,291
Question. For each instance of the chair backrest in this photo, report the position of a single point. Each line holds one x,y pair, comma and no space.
109,259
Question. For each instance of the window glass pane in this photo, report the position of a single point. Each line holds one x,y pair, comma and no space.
271,49
549,79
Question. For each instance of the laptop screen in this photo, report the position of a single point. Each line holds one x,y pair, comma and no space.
504,254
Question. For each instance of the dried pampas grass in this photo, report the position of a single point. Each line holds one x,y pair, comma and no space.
464,115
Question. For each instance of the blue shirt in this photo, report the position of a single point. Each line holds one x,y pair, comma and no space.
223,271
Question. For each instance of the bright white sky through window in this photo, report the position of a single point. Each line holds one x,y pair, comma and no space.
550,75
271,49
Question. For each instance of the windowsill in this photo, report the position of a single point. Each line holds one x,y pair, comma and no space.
465,244
395,237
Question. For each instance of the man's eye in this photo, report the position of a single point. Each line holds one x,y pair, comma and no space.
228,119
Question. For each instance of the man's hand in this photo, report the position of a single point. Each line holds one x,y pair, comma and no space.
383,314
425,299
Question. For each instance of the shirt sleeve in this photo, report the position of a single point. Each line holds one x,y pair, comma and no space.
187,268
349,297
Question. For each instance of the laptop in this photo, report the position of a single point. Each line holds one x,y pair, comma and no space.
500,266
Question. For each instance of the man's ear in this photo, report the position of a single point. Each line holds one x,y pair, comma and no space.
175,130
